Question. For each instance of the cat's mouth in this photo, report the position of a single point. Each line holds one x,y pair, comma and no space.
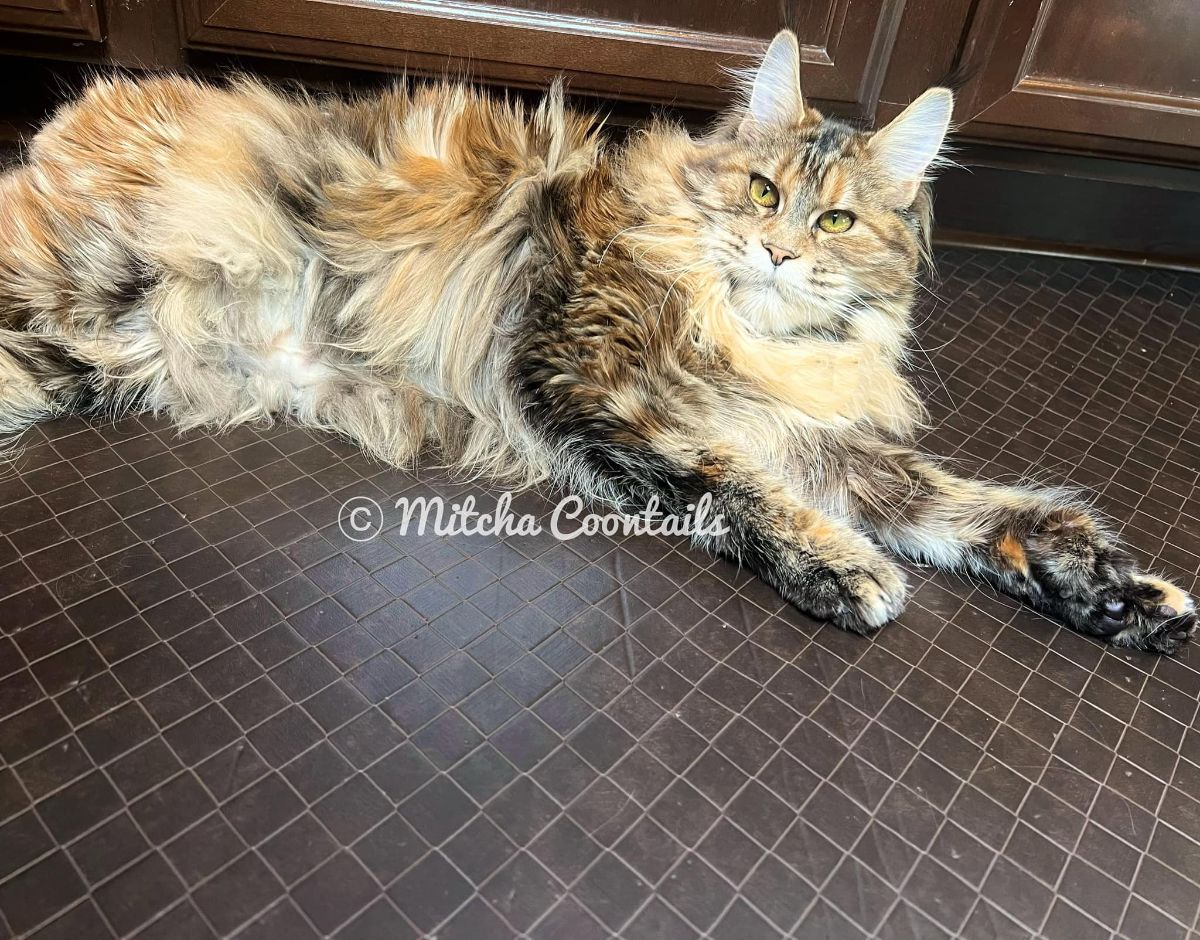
756,279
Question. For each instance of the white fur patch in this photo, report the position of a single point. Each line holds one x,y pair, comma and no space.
1173,596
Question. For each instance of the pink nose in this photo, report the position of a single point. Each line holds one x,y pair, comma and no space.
778,255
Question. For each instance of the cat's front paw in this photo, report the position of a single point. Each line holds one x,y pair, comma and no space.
1077,574
859,591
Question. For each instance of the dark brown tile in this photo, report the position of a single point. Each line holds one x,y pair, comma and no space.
658,920
171,808
138,893
697,891
430,891
54,767
24,838
80,806
438,810
39,892
335,892
283,737
565,848
476,919
203,849
231,770
521,891
237,893
611,891
367,738
522,810
262,808
353,808
83,920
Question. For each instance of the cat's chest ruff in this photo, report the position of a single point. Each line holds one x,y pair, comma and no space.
816,381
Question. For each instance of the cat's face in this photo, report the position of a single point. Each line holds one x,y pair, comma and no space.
806,218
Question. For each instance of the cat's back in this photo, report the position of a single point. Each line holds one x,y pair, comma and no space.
178,153
119,125
124,134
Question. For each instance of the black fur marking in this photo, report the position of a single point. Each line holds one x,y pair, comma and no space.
336,290
826,146
129,291
68,382
303,207
72,384
16,316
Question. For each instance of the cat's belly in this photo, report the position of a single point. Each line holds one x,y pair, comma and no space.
291,365
221,356
278,361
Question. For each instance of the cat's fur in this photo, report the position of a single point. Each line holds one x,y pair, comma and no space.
437,268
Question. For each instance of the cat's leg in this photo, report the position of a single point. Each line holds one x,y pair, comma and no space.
390,424
818,563
1041,545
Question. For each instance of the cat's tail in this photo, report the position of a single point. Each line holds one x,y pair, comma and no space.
38,380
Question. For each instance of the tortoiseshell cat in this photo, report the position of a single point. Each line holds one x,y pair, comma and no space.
668,317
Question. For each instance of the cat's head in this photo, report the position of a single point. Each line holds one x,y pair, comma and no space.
808,218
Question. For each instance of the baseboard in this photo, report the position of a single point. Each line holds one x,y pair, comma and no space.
1071,205
955,238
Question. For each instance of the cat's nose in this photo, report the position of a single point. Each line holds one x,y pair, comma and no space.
778,255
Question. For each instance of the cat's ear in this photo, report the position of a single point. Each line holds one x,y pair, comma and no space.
909,144
774,94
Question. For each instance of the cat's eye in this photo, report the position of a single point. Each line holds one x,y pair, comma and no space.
835,221
763,192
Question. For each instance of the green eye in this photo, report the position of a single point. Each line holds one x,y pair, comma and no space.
763,191
835,221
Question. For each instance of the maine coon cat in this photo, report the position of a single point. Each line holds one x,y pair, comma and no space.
430,267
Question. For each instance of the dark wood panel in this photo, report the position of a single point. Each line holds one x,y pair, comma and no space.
722,18
929,42
143,35
1103,68
677,53
1150,47
75,18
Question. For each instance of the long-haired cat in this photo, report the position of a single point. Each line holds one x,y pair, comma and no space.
431,267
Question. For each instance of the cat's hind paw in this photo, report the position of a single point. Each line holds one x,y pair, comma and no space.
1074,571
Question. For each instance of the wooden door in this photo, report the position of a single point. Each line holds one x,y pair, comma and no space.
668,50
1107,69
75,18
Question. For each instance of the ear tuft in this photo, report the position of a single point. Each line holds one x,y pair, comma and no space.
909,145
774,94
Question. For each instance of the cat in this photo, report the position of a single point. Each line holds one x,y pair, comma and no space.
431,267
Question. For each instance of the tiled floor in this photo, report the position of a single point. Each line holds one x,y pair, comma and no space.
219,716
